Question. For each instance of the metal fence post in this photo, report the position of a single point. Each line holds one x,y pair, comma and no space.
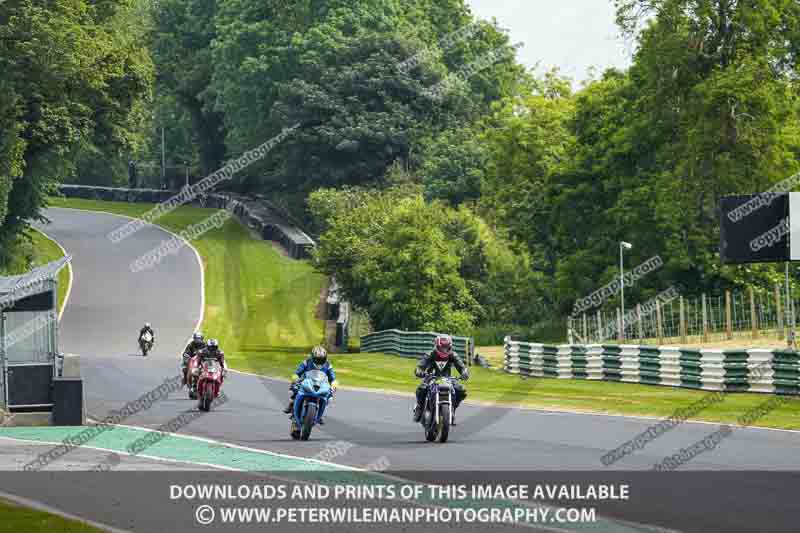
599,325
778,310
728,319
683,321
659,323
705,318
753,317
640,326
585,328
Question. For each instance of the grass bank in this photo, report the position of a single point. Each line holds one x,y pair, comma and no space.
16,519
41,250
258,302
261,304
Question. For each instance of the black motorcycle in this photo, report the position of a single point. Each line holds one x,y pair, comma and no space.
437,412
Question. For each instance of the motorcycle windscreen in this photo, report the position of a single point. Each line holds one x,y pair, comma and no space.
317,376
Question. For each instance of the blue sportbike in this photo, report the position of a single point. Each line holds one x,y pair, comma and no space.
313,395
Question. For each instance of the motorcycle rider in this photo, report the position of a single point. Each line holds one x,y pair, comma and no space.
318,360
212,351
195,345
440,362
147,329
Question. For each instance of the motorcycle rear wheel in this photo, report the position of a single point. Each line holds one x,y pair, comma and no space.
192,392
294,431
308,421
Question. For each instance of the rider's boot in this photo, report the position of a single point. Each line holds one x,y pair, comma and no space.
288,408
417,413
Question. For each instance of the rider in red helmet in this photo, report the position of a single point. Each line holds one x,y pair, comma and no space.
440,362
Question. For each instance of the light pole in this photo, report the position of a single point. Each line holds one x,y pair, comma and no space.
622,246
163,156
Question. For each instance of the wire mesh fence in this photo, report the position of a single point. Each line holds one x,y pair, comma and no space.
752,313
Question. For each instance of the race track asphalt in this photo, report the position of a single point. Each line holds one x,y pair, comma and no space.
109,303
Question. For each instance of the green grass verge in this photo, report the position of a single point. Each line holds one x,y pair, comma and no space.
16,519
45,251
41,251
390,373
263,303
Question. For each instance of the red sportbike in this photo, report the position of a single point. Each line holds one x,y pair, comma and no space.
192,374
209,383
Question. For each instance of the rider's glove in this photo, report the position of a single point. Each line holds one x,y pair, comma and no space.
419,372
465,376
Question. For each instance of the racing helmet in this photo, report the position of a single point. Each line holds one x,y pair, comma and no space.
443,346
319,356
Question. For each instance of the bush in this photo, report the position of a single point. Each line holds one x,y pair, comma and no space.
550,332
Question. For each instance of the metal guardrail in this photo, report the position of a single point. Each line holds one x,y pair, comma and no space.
253,213
412,343
756,370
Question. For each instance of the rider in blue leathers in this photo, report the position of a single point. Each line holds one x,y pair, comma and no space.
318,360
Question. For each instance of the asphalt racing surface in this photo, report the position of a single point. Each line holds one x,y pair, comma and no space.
109,303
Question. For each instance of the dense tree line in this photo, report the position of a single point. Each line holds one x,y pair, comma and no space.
73,79
450,188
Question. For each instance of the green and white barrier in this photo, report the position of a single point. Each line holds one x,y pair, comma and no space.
411,343
757,370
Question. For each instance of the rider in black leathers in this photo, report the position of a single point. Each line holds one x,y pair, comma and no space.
213,351
197,343
147,329
440,362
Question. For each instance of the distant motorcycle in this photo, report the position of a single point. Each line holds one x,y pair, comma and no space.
146,343
437,412
209,383
313,394
192,373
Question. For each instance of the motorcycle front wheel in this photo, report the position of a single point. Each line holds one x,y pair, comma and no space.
444,422
308,421
206,399
432,429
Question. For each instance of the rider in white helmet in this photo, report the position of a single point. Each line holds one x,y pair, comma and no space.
318,360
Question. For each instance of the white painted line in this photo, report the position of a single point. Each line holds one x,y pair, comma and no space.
39,506
69,269
245,448
127,454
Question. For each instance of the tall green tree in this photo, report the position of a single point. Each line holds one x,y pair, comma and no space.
182,35
69,84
